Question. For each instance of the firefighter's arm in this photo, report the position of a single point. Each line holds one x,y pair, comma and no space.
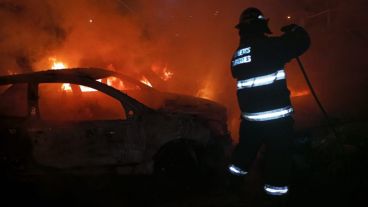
295,40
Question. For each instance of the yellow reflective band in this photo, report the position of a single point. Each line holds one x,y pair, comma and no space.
269,115
261,80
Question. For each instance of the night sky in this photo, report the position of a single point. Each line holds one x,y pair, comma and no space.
195,41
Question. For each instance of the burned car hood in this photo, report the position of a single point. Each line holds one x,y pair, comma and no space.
200,107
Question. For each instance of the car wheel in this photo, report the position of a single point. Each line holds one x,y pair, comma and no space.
178,161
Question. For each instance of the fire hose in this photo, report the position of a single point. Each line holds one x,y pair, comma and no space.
329,123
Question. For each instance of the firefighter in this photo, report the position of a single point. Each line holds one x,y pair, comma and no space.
258,65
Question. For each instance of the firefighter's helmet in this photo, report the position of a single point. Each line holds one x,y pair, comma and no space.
253,18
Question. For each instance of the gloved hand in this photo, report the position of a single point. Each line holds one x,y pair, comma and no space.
289,28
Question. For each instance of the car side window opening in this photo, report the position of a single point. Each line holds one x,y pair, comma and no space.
72,102
13,100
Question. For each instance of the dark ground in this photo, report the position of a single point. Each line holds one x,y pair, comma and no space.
327,172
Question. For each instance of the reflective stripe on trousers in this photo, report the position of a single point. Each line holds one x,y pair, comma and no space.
276,191
236,170
268,115
261,80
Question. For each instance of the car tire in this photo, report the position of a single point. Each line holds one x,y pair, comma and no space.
178,162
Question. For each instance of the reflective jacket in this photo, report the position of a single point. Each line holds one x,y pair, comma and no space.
258,65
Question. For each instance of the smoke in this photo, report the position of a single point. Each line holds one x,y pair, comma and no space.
189,38
28,30
193,39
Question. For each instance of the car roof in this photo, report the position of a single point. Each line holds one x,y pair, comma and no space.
65,74
71,75
90,73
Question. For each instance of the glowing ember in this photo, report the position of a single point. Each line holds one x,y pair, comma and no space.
145,81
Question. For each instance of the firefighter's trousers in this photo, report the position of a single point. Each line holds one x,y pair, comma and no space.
277,136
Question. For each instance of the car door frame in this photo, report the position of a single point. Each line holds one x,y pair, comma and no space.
133,109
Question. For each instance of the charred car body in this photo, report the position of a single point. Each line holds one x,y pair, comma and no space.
90,120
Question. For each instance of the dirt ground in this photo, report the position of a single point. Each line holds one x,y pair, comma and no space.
327,172
146,191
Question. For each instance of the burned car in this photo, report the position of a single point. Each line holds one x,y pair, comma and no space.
90,120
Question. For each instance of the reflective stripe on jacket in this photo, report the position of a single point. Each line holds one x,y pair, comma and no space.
258,65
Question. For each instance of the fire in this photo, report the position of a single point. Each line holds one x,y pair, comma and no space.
66,87
110,81
166,74
162,71
57,65
116,83
145,81
207,91
88,89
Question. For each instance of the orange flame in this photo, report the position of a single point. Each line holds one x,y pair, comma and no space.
162,72
207,91
88,89
145,81
116,83
66,87
166,74
110,81
57,65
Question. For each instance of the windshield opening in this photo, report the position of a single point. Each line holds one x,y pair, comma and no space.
137,90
